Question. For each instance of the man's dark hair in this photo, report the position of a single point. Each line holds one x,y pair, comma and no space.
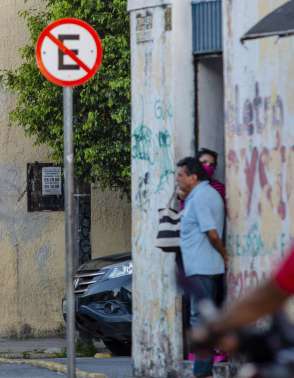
193,167
206,151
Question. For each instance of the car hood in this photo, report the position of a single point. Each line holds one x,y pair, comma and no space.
102,262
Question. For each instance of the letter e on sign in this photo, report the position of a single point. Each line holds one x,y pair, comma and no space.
69,52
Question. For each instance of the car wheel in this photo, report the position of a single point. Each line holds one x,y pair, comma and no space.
118,348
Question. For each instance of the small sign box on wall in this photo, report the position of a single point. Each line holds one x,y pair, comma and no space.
51,181
45,187
144,27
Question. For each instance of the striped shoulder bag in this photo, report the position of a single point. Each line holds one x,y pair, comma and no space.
168,236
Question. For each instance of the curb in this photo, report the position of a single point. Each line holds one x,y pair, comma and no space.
52,366
29,356
103,355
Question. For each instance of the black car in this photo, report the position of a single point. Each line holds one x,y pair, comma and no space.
103,294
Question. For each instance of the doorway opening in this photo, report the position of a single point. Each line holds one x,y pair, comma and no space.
209,112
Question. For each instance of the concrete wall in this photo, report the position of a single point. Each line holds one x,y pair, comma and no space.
111,223
162,132
210,109
32,244
259,106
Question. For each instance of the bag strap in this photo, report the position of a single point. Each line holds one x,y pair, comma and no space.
173,196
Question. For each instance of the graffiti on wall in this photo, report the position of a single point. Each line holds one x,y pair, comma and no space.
142,197
239,282
255,114
153,151
259,164
251,243
142,140
162,111
264,169
166,165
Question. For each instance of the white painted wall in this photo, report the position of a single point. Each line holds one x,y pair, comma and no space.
210,109
162,132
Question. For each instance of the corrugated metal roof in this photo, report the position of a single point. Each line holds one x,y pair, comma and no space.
207,26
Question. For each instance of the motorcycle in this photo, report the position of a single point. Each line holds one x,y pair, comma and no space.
265,350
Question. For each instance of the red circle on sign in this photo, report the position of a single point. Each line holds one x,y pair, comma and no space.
47,33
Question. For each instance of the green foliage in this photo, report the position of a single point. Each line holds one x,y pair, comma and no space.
101,107
85,348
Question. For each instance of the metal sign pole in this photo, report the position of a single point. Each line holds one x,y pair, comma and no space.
87,59
69,229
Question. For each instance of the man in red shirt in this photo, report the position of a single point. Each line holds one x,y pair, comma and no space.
264,300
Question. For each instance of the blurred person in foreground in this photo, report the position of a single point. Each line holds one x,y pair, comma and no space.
265,300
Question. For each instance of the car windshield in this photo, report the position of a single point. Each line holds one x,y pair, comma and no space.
101,262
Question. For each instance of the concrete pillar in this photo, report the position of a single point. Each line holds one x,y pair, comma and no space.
162,132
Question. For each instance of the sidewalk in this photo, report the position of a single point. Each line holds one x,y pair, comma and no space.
46,353
37,348
16,348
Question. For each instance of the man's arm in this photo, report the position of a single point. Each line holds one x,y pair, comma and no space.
262,301
217,243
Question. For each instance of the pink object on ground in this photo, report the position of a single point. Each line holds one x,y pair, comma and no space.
220,358
191,356
216,358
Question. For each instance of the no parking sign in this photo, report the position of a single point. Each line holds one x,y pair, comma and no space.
69,52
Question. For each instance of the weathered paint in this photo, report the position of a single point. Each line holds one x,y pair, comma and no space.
162,132
110,223
259,107
32,244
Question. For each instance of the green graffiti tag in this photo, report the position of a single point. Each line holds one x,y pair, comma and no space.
165,161
162,111
250,244
142,141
